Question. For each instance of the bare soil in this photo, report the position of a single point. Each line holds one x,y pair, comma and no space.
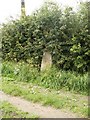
36,108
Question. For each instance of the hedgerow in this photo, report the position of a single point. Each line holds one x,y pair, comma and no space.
64,33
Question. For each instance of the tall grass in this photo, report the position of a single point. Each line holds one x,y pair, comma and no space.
53,78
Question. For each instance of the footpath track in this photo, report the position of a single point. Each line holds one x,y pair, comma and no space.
35,108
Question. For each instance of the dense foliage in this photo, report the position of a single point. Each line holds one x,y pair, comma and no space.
64,33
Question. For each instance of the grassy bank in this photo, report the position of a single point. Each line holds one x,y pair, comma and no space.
53,79
66,101
9,111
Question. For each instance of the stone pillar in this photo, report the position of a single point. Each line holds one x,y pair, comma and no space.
46,61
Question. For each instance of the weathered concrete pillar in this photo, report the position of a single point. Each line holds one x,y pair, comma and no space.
46,61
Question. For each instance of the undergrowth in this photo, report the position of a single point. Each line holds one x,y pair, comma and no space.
53,78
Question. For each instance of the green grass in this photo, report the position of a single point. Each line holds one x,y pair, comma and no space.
53,79
9,111
58,99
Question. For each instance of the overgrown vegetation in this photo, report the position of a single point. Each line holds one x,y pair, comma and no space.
64,33
58,99
9,111
53,78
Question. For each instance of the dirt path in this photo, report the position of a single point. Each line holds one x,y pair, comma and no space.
35,108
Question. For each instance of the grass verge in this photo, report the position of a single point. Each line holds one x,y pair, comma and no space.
58,99
9,111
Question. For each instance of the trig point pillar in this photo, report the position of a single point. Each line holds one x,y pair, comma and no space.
46,61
